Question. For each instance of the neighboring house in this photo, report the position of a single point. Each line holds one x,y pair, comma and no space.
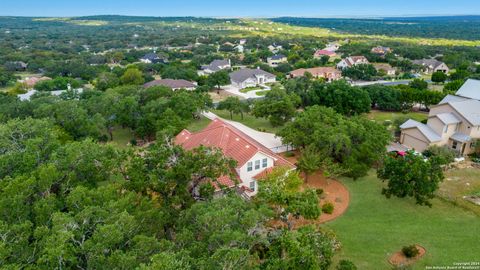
16,65
387,68
334,46
432,65
228,44
31,81
247,77
174,84
216,65
240,48
30,93
352,61
454,122
152,58
275,60
380,50
274,48
319,53
254,160
328,73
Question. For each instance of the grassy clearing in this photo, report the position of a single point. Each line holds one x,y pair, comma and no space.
380,117
122,137
375,227
459,183
249,120
267,28
199,124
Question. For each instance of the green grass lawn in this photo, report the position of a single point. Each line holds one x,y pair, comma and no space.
249,120
199,124
248,89
459,183
261,93
380,116
375,227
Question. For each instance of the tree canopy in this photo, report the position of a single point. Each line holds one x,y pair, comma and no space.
355,144
411,176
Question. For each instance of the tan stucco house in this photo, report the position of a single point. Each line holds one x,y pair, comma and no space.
454,122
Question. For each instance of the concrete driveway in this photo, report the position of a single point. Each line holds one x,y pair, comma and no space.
248,95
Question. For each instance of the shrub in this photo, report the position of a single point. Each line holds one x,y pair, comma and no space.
133,142
319,191
327,208
103,138
346,265
387,123
410,251
445,154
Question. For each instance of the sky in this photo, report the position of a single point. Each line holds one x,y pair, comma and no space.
239,8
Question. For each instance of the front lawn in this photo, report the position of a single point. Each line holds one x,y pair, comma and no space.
461,182
249,120
261,93
248,89
375,227
380,116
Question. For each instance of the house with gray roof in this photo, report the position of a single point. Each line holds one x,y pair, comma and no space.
173,84
248,77
454,122
431,65
276,60
152,58
470,89
214,66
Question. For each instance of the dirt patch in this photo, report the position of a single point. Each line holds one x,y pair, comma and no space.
219,95
333,191
399,259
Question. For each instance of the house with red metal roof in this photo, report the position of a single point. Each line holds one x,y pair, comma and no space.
320,53
254,160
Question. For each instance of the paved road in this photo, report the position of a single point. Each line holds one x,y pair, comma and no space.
391,83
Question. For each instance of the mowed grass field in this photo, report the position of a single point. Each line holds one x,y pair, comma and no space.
381,116
374,227
459,183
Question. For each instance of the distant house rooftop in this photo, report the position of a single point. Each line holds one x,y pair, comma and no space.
174,84
217,65
278,57
246,73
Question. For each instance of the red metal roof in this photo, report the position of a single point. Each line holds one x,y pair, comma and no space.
324,52
234,143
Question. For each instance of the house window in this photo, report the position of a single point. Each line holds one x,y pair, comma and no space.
249,166
257,164
445,129
454,145
264,163
252,185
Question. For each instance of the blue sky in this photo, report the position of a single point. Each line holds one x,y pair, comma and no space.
239,8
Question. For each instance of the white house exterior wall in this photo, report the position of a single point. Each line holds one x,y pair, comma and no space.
247,176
